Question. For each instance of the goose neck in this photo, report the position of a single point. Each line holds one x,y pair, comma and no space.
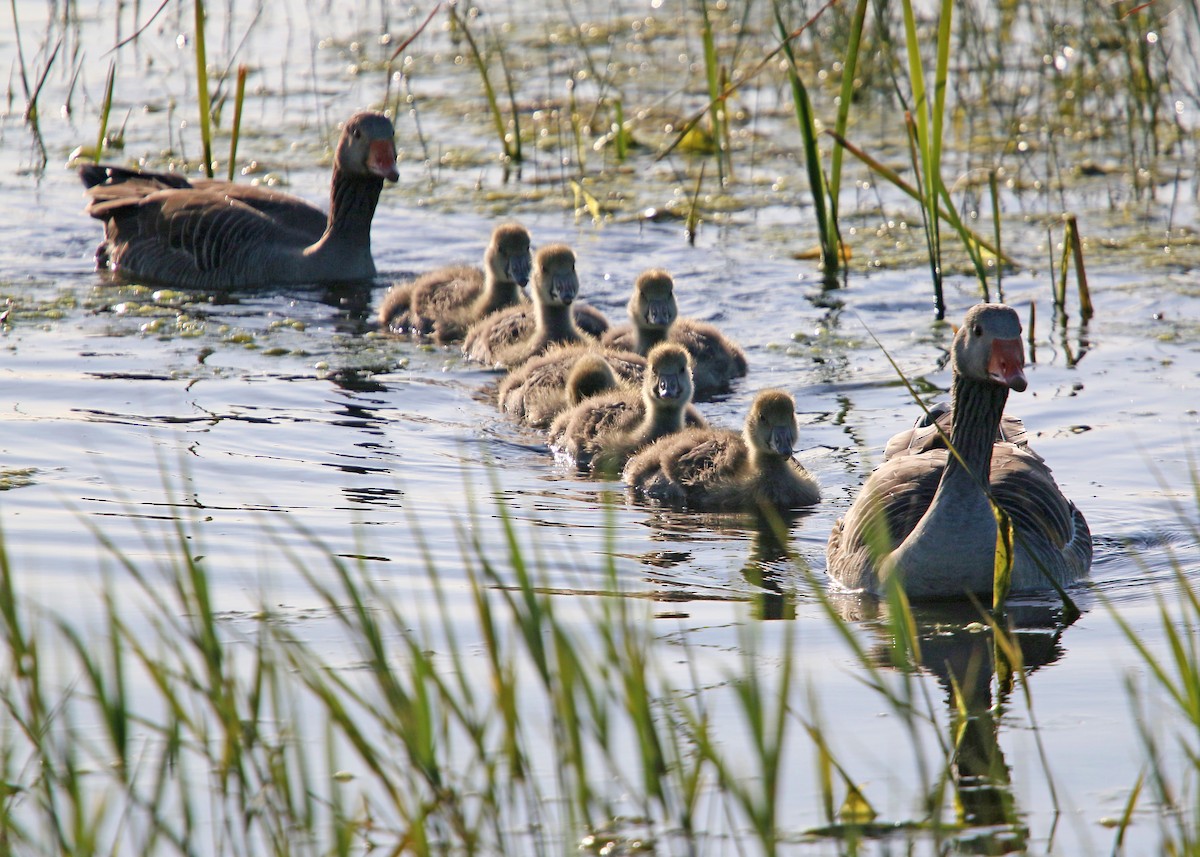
352,201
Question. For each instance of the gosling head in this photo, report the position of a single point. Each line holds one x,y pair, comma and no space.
367,147
988,347
668,378
555,282
590,376
653,306
771,424
508,258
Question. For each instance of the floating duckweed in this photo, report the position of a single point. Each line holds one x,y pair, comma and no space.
293,323
19,477
276,351
243,337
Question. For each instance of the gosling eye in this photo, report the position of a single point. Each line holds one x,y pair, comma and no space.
977,330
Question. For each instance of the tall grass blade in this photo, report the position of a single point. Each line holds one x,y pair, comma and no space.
716,103
929,125
846,97
994,189
686,128
1003,562
1085,295
826,216
692,225
972,239
511,146
105,109
235,132
202,87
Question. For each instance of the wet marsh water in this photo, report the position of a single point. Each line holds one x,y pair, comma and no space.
268,420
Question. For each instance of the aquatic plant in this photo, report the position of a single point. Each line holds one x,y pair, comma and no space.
503,731
510,141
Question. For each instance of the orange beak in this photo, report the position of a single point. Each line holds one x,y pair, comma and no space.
1007,364
382,160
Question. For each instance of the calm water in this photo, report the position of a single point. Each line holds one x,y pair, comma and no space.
283,411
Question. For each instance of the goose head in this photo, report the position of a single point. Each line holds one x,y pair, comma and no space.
508,258
367,147
668,377
653,306
555,282
988,347
771,424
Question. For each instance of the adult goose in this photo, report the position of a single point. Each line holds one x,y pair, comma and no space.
654,318
538,391
600,433
442,304
924,515
167,230
721,470
503,339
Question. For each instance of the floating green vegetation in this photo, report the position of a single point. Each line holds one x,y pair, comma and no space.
16,477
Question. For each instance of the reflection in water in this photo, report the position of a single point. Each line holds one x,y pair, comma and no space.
771,564
772,567
977,673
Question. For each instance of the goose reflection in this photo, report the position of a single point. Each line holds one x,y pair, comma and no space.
774,571
977,673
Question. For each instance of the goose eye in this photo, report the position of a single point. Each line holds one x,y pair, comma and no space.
977,330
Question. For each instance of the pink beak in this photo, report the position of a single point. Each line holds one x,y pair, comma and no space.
382,160
1007,364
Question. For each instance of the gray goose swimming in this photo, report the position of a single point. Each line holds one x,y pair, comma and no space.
654,318
504,339
443,304
935,526
166,230
722,470
600,433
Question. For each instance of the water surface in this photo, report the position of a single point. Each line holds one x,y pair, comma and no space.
275,420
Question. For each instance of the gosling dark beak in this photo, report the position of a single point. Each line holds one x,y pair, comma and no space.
659,313
783,440
668,387
382,160
518,268
564,287
1007,364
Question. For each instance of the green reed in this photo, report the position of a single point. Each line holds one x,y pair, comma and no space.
198,730
235,132
202,96
718,124
510,142
105,109
1072,254
824,208
1172,672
